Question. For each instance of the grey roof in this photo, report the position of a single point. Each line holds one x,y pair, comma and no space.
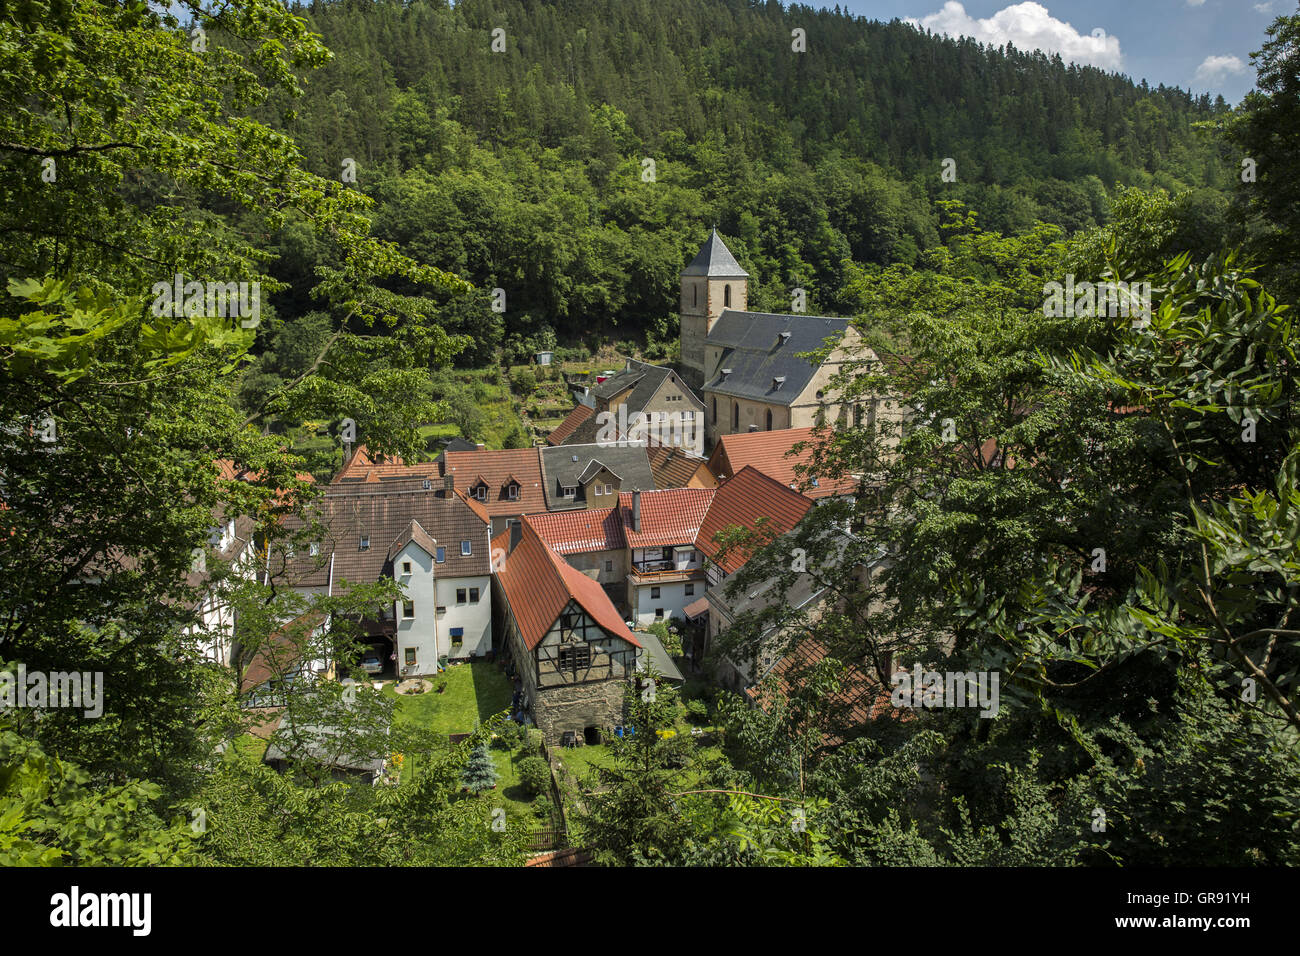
715,259
658,655
644,380
631,463
756,354
317,743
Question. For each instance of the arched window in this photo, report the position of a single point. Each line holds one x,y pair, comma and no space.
695,294
726,296
735,416
715,409
769,419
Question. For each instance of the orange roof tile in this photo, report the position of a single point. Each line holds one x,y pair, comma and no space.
539,584
570,424
575,532
496,467
769,452
742,500
668,516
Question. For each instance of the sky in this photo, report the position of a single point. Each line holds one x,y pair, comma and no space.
1201,45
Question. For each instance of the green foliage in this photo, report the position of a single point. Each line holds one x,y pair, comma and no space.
480,772
535,775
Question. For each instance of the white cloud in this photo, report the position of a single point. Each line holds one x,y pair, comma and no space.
1196,3
1265,7
1216,69
1030,27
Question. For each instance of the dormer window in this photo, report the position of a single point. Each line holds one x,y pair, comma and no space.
365,543
512,491
777,382
569,492
480,492
782,338
725,373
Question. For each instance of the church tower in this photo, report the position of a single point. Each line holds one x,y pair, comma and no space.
712,282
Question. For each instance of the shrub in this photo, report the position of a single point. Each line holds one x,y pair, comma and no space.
523,380
535,775
532,740
697,711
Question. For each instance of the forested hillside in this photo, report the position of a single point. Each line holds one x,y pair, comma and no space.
524,168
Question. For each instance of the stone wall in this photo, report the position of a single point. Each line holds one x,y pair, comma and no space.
578,706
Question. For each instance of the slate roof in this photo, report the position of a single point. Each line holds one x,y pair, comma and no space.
715,259
769,452
538,584
570,424
669,516
577,532
385,512
752,348
559,470
742,500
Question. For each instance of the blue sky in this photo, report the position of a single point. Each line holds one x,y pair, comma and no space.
1202,45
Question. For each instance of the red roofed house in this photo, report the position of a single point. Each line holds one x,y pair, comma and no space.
770,453
592,541
665,565
570,647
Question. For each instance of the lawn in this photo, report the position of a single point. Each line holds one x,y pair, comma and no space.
475,691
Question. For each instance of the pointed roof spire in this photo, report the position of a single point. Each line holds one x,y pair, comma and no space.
715,259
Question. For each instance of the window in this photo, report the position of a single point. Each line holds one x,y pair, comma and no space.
596,489
609,489
466,547
575,657
690,589
688,416
769,419
473,595
609,565
408,609
659,614
735,415
715,408
458,635
410,656
695,295
726,296
406,567
442,609
512,491
568,492
460,595
441,556
480,492
654,593
365,542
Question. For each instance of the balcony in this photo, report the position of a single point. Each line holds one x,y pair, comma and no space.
648,571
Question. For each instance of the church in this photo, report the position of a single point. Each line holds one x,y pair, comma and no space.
746,365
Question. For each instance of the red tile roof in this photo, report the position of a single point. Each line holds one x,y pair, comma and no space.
368,468
496,467
539,584
742,500
769,452
861,697
570,424
669,516
674,468
575,532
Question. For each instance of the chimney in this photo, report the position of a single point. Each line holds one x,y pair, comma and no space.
449,483
516,532
636,510
481,446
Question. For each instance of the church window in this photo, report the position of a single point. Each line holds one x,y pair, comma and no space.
726,296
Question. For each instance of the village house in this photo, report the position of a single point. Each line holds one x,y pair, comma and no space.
572,651
655,393
592,476
433,541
